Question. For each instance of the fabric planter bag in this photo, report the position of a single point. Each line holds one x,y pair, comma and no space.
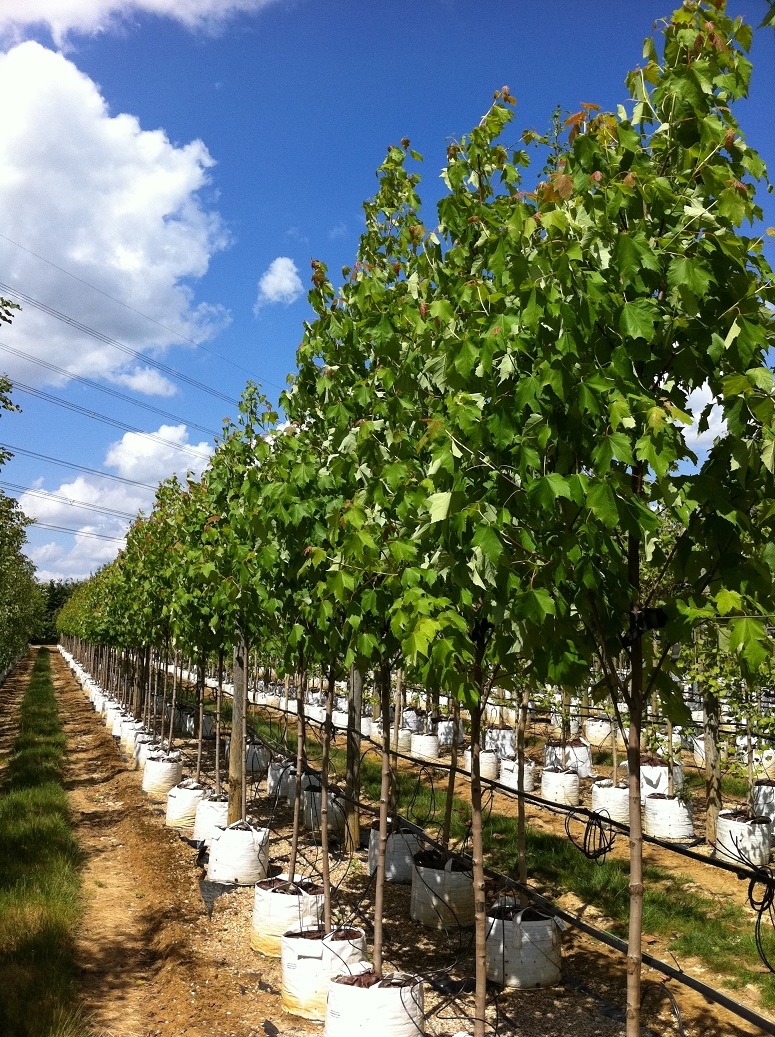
509,775
743,839
502,740
182,801
667,819
161,773
277,778
489,764
211,813
399,854
560,787
362,1006
441,898
764,801
309,960
523,946
279,906
239,854
425,747
611,801
312,805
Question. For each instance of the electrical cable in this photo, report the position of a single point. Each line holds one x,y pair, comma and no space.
115,344
106,389
76,408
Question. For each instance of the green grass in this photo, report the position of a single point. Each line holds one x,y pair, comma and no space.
39,876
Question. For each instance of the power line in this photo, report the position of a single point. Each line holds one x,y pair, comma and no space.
80,532
77,467
106,389
108,341
108,420
152,320
46,495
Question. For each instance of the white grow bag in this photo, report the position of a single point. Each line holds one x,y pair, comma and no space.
239,854
182,801
578,757
445,730
279,906
211,814
162,772
610,801
392,1007
743,841
522,951
308,965
277,777
560,787
489,764
399,854
510,774
425,747
442,899
668,819
503,740
312,806
764,803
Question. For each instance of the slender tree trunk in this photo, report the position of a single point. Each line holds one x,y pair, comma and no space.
237,745
219,697
200,694
300,762
477,856
353,778
521,726
445,833
384,794
327,731
635,931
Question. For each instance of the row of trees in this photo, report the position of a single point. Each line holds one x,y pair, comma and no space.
485,474
21,601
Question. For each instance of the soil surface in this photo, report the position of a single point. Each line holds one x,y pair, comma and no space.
164,952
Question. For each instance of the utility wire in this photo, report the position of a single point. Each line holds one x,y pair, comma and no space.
104,388
45,495
77,467
132,309
79,532
108,341
108,420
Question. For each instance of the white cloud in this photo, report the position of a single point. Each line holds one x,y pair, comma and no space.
93,16
696,403
115,205
280,283
135,456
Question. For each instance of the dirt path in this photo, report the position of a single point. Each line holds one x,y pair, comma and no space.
161,955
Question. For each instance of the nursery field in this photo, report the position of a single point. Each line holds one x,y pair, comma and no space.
159,950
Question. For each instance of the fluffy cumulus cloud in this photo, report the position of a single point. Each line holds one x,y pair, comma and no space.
63,17
117,206
280,283
101,508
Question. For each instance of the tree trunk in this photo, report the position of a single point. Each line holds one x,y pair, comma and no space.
353,777
300,760
477,855
635,931
521,726
445,833
327,731
236,745
384,794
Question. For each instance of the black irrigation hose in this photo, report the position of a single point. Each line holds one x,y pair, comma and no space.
599,835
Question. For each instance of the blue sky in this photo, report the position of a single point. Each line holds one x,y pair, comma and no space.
168,168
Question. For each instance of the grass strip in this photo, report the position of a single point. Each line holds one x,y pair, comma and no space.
39,875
